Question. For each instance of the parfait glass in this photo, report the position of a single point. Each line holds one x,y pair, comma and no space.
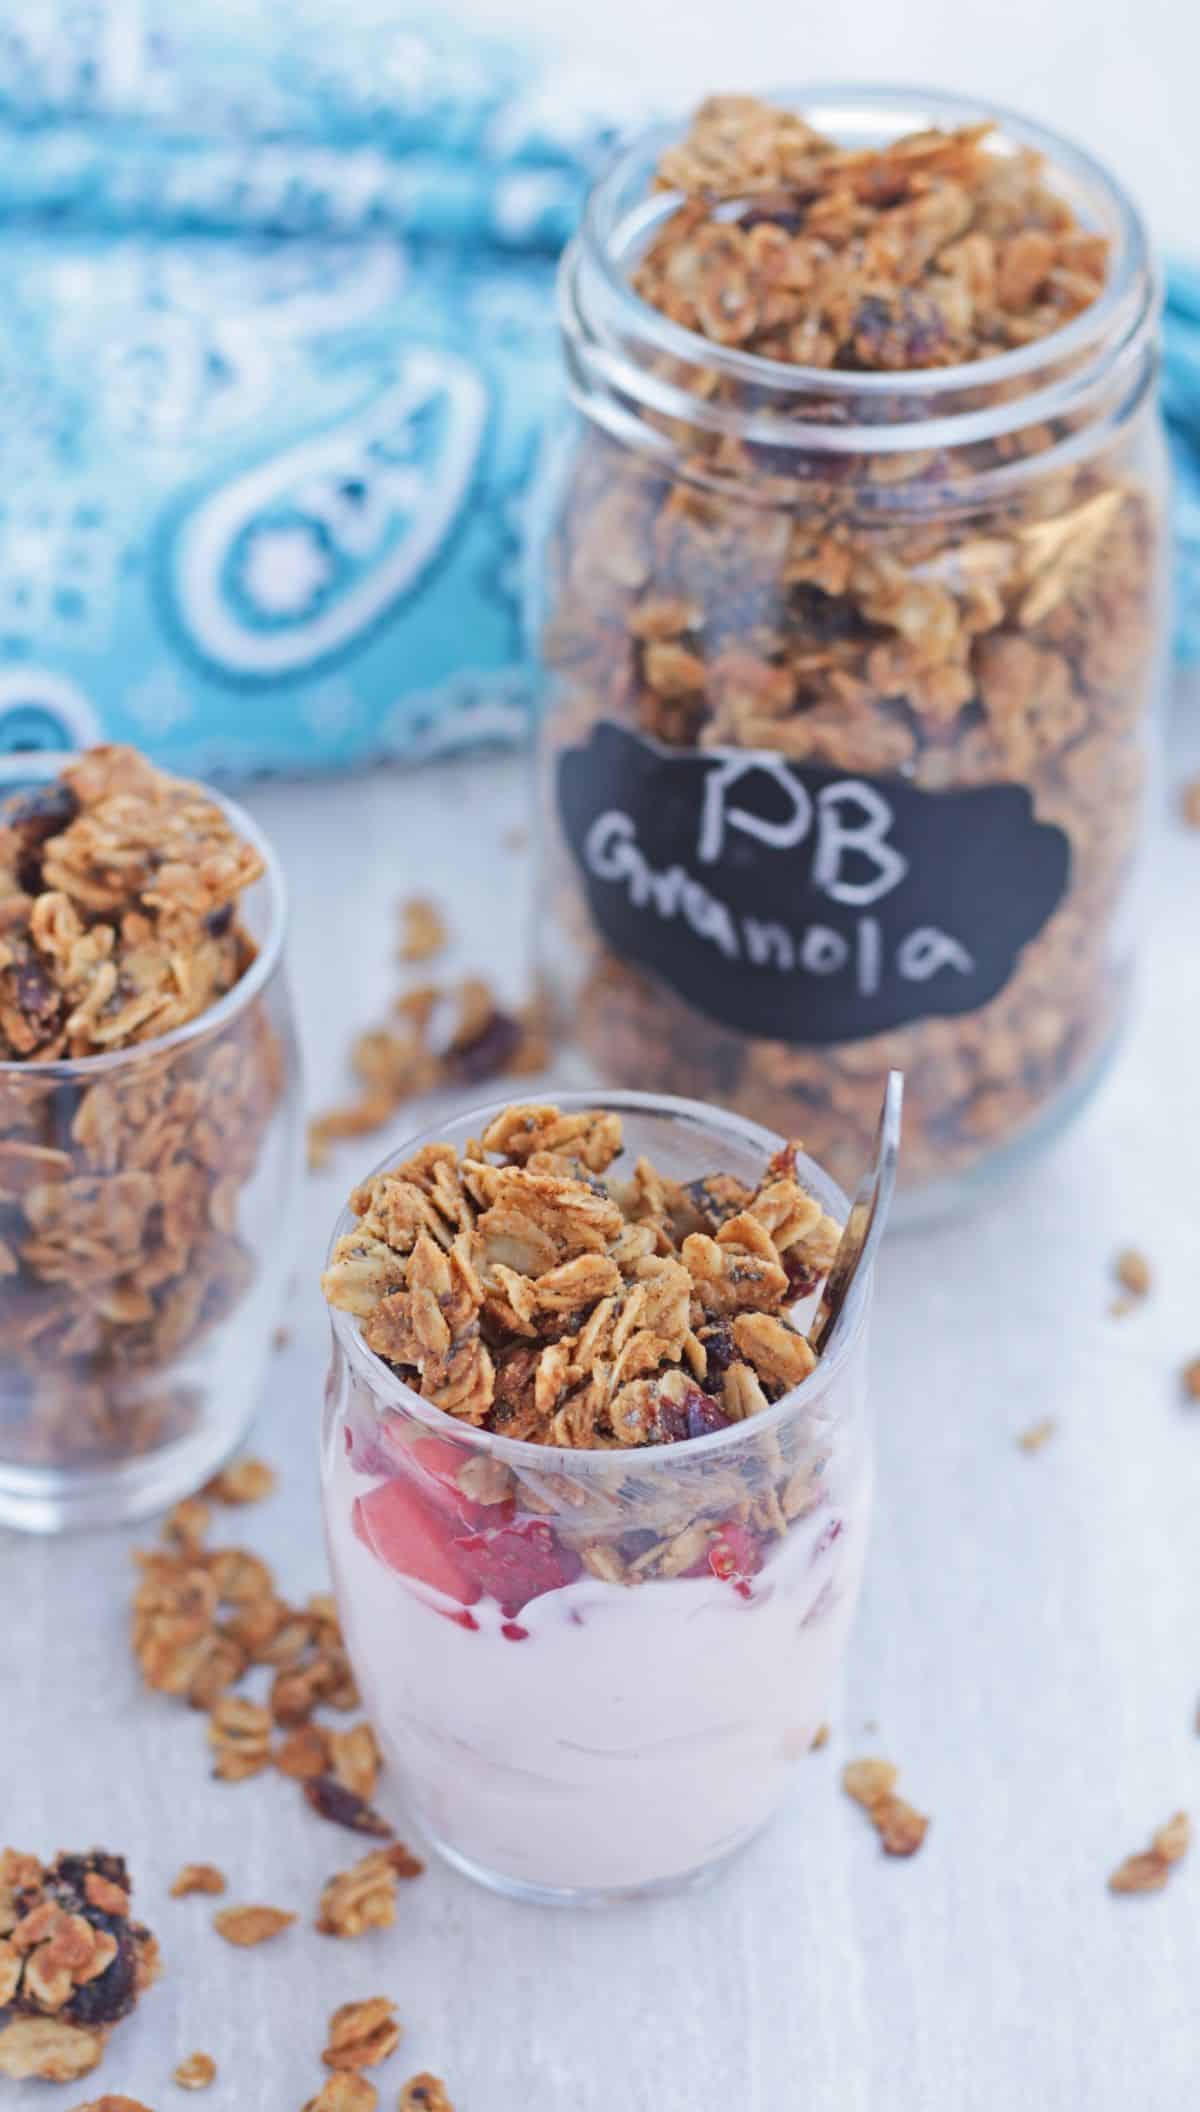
594,1673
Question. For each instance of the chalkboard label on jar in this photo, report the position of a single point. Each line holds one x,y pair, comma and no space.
802,903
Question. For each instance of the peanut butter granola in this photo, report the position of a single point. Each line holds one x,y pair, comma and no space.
119,1246
72,1961
959,644
527,1289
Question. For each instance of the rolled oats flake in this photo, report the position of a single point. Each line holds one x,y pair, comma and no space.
344,2091
362,2034
1149,1871
248,1926
872,1784
197,2072
198,1877
1037,1434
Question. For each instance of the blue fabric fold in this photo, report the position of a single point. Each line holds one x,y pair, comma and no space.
276,351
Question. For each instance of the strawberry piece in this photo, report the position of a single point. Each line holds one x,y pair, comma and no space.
438,1464
516,1563
410,1536
734,1554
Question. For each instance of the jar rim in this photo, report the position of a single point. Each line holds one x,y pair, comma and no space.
520,1453
45,763
1122,314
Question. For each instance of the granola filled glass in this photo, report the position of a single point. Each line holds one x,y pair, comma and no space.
145,1199
596,1671
850,604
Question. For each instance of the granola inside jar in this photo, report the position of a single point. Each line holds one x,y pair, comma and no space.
850,609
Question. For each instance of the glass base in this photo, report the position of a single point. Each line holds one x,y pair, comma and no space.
72,1499
588,1895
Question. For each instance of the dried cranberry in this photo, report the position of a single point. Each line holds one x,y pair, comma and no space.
41,812
36,995
218,921
802,1278
704,1415
331,1799
719,1348
517,1563
111,1996
489,1053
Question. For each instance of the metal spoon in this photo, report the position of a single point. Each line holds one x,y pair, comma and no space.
864,1225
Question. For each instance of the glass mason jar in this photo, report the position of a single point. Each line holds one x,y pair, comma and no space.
146,1198
624,1718
849,698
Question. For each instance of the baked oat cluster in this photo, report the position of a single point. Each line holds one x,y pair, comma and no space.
895,616
927,253
72,1961
529,1290
119,1191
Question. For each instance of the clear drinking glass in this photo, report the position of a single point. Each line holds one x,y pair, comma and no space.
146,1199
581,1730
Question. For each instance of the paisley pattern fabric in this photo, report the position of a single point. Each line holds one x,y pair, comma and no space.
276,353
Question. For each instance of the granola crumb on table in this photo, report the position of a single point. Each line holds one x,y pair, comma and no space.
344,2091
198,1877
718,598
362,2034
1149,1871
424,2093
73,1962
197,2072
1190,1379
872,1784
119,922
248,1926
1038,1434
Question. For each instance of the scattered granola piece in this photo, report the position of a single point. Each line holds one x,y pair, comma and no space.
1038,1434
1189,801
1132,1271
344,2091
239,1733
331,1799
364,1897
356,1759
872,1783
197,2072
305,1753
243,1481
424,2093
1149,1871
423,930
820,1738
113,2102
1190,1376
362,2034
198,1877
72,1962
281,1337
246,1926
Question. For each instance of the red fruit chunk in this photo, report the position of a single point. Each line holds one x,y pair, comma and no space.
439,1464
516,1563
734,1553
407,1533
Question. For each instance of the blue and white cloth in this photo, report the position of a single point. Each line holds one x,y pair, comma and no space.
276,348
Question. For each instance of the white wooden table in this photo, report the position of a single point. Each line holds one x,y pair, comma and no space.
1028,1649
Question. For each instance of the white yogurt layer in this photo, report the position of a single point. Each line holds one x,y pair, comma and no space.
634,1734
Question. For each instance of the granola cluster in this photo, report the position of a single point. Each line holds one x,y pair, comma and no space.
72,1961
120,1187
955,620
926,253
529,1290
